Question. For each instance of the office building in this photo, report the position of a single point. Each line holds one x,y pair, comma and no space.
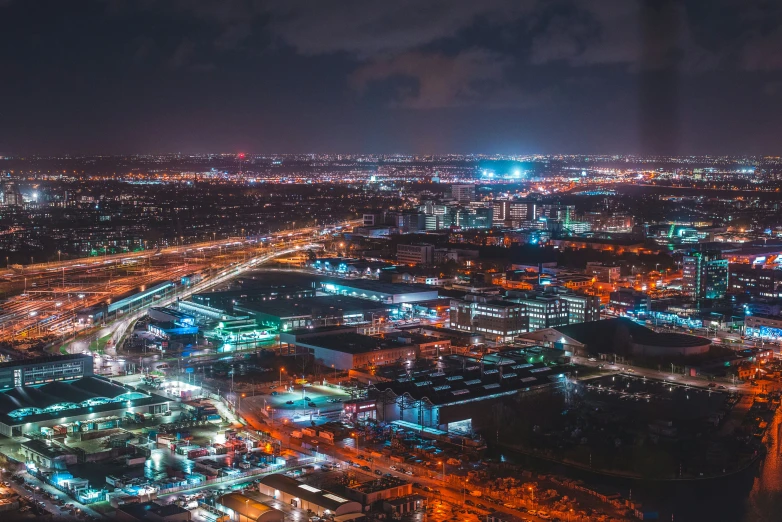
500,211
626,301
543,310
463,193
602,272
557,212
705,274
498,320
582,308
522,211
418,254
754,280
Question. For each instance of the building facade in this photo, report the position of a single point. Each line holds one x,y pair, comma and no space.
497,320
754,280
463,193
418,254
705,275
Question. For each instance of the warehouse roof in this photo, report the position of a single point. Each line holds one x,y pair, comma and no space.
313,306
310,494
244,505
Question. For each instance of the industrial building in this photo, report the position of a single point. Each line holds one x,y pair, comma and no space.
621,337
762,326
139,297
346,350
458,394
292,314
321,502
388,293
167,323
225,299
50,391
241,508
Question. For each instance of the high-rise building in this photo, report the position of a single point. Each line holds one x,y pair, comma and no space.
463,193
11,194
521,211
705,274
500,209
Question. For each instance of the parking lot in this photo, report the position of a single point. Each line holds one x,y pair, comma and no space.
303,400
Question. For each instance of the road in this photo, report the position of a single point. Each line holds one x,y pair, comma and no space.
700,382
50,295
119,327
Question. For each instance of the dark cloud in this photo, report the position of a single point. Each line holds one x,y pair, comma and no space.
498,74
469,78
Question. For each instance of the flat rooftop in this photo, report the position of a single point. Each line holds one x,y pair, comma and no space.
315,306
378,286
463,378
353,343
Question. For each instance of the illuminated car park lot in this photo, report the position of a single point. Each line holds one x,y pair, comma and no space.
318,395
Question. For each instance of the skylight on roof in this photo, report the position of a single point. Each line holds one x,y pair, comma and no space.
473,381
423,383
335,498
309,488
460,392
490,386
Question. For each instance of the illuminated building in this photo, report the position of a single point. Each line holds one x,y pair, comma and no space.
497,320
705,274
463,193
49,391
303,496
543,310
754,280
245,509
768,327
629,301
418,254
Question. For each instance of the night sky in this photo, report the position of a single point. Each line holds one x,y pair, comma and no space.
407,76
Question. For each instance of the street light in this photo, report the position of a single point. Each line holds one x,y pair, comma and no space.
443,463
355,435
281,370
